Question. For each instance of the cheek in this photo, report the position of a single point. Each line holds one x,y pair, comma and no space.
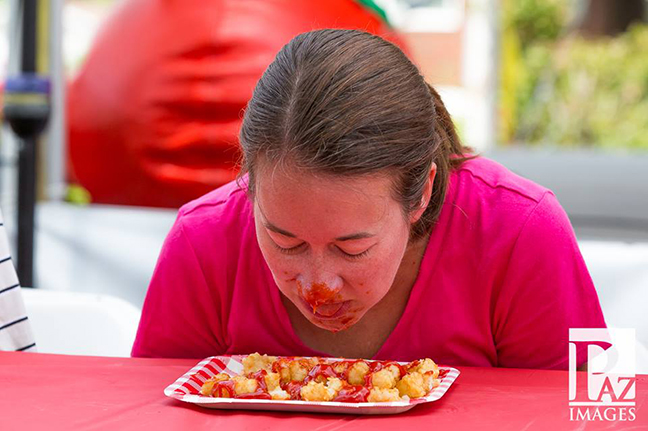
373,280
381,274
283,268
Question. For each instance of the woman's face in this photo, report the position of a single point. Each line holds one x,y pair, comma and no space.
333,244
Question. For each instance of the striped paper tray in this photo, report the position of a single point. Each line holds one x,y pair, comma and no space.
187,389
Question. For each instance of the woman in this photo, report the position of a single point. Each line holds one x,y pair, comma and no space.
363,228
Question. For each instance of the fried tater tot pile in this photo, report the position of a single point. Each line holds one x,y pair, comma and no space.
319,379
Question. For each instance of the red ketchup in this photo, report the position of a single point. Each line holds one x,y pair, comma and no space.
380,365
349,364
262,389
353,394
323,370
223,389
318,294
293,389
414,364
443,373
368,380
280,364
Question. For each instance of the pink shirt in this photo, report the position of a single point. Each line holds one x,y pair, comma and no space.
501,282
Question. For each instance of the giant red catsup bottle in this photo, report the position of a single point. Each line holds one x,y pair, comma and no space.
155,110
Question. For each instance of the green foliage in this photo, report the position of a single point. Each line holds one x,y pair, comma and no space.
535,20
573,91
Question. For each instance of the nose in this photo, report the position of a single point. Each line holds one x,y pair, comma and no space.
318,282
329,283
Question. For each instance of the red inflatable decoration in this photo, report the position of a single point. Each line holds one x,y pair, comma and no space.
155,111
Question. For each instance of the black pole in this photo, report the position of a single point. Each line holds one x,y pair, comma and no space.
27,158
26,207
28,42
26,109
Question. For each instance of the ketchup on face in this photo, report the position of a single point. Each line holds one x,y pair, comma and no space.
318,294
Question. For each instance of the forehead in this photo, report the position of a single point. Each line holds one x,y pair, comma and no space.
299,201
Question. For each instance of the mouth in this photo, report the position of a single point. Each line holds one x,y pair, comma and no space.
327,311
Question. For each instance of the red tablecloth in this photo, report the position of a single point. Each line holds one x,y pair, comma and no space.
52,392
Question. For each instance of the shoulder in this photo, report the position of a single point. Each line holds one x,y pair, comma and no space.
218,201
489,177
226,204
489,204
221,218
485,187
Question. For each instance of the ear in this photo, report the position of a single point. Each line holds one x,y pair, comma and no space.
427,195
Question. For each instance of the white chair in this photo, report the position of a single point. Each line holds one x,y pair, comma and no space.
79,323
620,274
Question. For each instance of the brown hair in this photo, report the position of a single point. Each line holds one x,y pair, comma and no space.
346,102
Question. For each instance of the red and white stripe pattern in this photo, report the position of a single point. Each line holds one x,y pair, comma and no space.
187,389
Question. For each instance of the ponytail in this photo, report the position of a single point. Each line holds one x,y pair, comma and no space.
450,154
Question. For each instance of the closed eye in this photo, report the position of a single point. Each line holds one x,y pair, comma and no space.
289,250
357,255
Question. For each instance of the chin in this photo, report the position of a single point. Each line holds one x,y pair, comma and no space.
342,324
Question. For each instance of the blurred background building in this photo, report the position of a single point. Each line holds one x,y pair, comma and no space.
147,96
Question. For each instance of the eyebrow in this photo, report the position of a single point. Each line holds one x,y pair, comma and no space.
274,228
354,236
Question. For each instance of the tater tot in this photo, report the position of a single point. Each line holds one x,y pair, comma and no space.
298,371
340,366
396,372
429,382
282,367
279,394
208,386
272,381
243,385
314,391
335,384
383,379
412,385
427,365
256,362
357,373
378,395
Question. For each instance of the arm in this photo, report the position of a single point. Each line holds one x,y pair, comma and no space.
181,314
546,290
